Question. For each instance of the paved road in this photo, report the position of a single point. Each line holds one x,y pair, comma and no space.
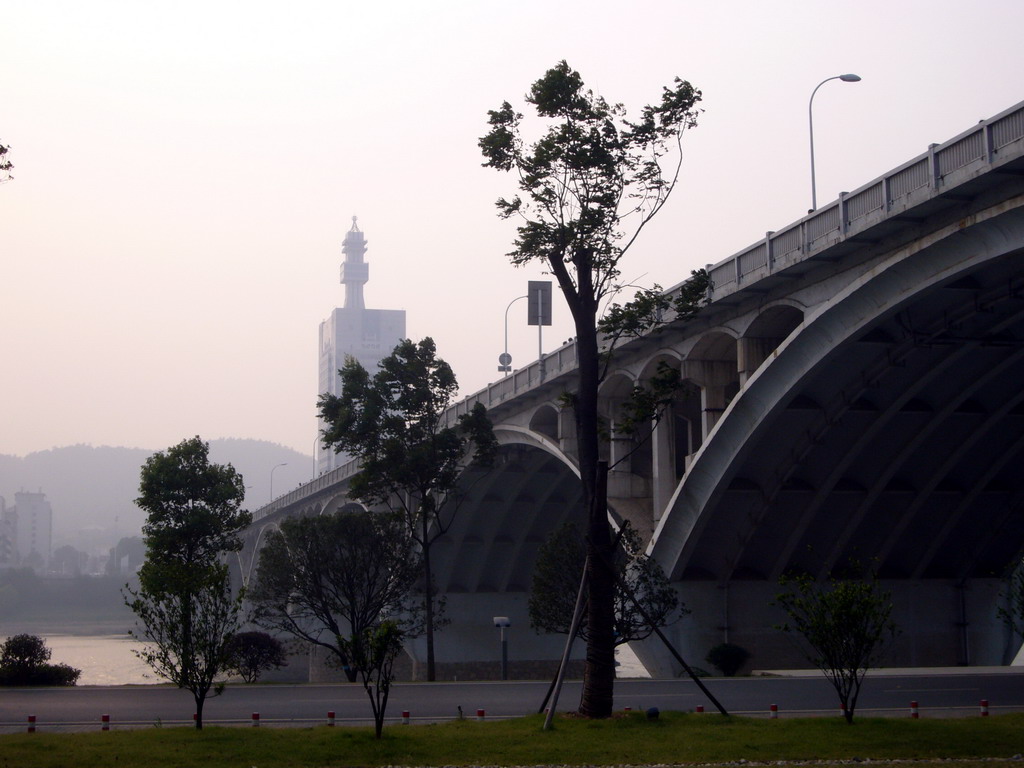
939,693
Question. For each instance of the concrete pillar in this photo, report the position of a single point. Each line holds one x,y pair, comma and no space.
750,354
663,464
713,377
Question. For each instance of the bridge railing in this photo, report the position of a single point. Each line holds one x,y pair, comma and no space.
304,491
944,166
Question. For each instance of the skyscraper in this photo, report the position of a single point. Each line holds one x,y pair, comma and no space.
368,335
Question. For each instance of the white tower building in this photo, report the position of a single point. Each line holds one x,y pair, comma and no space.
368,335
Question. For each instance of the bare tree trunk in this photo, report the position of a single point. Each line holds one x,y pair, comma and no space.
599,681
599,672
428,602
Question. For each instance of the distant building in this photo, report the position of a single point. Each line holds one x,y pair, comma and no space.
368,335
30,523
8,543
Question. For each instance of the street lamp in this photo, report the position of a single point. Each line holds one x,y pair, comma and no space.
285,464
810,121
503,623
505,359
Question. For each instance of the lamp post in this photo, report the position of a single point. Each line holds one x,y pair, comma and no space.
810,121
505,359
503,623
285,464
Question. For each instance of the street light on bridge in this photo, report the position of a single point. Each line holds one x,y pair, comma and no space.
810,121
285,464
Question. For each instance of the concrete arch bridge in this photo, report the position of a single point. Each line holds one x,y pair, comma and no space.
856,391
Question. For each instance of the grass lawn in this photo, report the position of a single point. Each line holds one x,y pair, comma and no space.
627,739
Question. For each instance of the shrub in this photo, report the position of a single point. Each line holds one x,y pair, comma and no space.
727,658
23,661
252,653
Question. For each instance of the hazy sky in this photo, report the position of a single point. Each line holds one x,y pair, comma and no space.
185,173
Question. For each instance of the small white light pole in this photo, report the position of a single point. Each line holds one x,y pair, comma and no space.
505,359
810,121
502,623
285,464
538,313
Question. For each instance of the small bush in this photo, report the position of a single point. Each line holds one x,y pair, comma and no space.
251,653
23,661
727,658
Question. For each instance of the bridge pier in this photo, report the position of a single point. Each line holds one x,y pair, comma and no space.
941,625
469,648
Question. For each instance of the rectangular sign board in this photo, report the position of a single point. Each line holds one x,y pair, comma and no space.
539,302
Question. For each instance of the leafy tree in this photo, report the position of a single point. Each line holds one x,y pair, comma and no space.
328,579
23,652
588,187
189,625
374,651
727,658
411,458
5,164
24,661
184,601
556,581
845,626
250,654
1013,614
193,506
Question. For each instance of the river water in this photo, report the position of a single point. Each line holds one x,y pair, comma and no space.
103,659
109,659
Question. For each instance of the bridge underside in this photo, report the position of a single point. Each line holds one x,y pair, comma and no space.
888,430
484,563
904,446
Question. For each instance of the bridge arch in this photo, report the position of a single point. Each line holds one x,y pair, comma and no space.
545,421
248,556
886,427
915,358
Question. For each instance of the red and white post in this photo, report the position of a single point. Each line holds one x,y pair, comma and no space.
913,710
105,719
405,717
984,707
255,719
31,723
773,711
330,718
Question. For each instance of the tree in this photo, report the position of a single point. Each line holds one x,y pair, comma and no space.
184,601
189,625
1013,613
845,626
374,651
727,658
250,654
588,187
5,164
411,459
24,661
324,579
556,581
193,506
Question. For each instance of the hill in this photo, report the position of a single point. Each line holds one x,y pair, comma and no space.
92,490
